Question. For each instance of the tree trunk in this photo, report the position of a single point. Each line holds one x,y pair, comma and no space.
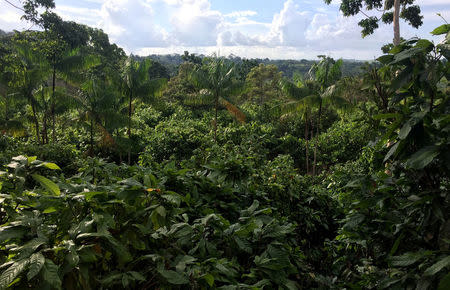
396,22
307,142
129,127
216,105
92,137
44,130
36,122
312,135
6,107
44,120
52,110
317,136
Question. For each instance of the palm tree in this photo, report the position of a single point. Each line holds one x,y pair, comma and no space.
302,101
67,67
217,81
137,84
32,72
319,90
95,100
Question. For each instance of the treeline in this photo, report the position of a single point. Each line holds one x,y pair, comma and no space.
288,67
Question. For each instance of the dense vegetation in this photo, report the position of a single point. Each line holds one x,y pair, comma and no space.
225,175
288,67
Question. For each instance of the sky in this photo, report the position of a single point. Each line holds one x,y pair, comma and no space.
275,29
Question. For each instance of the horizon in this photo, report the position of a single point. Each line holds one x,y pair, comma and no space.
277,30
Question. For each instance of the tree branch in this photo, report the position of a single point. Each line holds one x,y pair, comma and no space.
15,6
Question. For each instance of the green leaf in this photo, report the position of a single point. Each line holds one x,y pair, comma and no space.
443,29
404,131
161,211
50,210
391,151
423,157
91,194
37,261
425,43
7,233
49,185
385,59
209,279
137,276
50,274
12,272
444,284
51,166
173,277
407,259
437,266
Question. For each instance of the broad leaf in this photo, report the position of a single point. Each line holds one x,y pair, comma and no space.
423,157
37,261
437,266
49,185
173,277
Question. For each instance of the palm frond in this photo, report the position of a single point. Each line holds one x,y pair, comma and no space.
234,111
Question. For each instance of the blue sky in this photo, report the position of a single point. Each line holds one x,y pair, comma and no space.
278,29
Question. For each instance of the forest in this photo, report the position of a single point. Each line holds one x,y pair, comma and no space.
209,172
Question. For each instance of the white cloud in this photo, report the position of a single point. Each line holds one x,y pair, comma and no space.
130,23
239,14
289,26
194,23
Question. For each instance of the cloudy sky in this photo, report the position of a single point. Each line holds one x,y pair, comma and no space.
278,29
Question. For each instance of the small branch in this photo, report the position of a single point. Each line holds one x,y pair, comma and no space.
439,14
15,6
364,14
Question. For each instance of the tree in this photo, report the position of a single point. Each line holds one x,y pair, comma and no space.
303,99
217,80
29,75
180,87
137,84
318,91
392,11
263,83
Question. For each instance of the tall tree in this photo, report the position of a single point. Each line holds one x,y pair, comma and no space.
262,83
302,99
391,12
319,90
31,73
137,84
218,81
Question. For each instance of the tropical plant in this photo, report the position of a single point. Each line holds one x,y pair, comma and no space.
218,82
137,84
29,75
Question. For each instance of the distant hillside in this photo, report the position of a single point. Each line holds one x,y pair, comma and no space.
288,67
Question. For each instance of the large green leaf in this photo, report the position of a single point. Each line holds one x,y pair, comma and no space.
49,185
37,261
443,29
423,157
435,268
51,275
407,259
7,233
173,277
12,272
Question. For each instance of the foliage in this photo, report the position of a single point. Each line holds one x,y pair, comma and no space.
409,12
396,227
263,83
